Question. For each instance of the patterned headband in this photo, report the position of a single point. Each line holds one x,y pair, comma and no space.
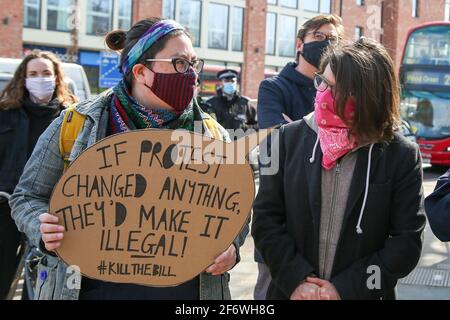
152,35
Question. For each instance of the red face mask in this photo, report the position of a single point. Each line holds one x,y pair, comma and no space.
333,132
175,89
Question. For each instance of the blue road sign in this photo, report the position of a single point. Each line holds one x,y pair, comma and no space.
109,70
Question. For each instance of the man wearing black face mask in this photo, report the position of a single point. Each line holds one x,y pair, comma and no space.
289,96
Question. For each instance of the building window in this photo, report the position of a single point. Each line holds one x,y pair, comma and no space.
447,10
286,36
311,5
99,17
190,17
58,15
360,2
415,8
169,9
218,26
273,2
358,33
325,6
237,29
125,8
289,3
271,31
32,14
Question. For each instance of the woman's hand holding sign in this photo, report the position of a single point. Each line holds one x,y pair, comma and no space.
51,232
223,262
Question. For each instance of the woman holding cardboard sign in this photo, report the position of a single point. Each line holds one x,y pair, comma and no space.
160,70
343,217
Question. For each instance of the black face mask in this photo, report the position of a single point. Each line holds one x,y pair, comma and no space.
313,51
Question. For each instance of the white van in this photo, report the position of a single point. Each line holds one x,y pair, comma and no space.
76,77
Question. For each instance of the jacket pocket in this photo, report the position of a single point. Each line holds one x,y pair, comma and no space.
46,279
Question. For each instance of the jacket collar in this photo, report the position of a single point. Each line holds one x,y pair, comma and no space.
358,183
314,176
93,107
289,72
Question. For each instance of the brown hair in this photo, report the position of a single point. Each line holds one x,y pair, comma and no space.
123,41
317,22
15,92
365,72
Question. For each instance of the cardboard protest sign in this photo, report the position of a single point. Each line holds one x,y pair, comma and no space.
153,207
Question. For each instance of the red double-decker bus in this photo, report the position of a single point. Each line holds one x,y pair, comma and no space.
425,80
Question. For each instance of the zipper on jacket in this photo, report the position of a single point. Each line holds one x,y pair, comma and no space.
337,172
341,233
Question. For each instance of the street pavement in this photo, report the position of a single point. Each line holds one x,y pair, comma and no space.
429,281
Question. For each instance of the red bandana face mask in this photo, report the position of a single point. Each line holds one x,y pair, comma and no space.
333,132
175,89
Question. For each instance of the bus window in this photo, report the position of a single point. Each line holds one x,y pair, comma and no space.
429,46
428,113
425,81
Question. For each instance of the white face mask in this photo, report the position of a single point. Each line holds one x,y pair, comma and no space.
41,88
230,88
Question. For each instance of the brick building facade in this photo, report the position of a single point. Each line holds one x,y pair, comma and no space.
263,44
11,17
143,9
387,21
254,42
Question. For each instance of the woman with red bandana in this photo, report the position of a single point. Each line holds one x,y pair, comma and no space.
160,70
343,217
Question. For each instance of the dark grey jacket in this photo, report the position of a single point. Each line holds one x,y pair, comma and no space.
287,217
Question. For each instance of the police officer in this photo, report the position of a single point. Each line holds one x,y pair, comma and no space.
228,107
